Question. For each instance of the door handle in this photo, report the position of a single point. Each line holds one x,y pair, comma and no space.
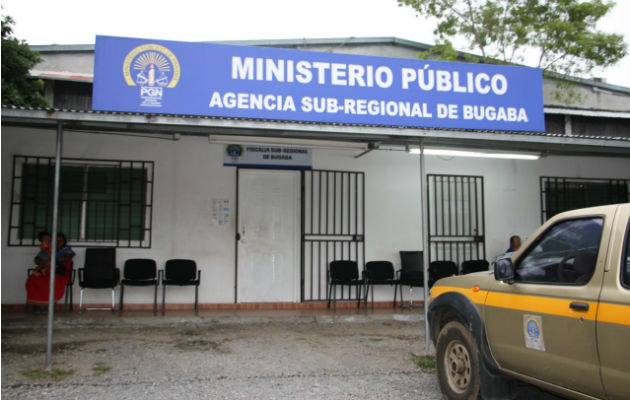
578,306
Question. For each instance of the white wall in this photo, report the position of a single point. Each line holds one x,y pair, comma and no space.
189,174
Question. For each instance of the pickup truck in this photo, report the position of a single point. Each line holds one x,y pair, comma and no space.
555,314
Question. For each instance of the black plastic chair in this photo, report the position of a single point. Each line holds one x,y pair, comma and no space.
139,272
470,266
441,269
67,305
181,272
343,273
99,271
378,273
68,294
411,273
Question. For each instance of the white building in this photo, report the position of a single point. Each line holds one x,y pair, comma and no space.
163,177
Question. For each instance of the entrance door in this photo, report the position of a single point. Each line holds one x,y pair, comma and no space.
334,226
268,236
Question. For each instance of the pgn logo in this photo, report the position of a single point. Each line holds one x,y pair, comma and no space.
151,96
153,68
150,91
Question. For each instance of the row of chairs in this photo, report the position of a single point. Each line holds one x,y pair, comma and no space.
346,273
100,272
443,269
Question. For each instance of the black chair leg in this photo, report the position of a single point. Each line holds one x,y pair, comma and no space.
332,295
395,293
71,299
155,298
196,299
122,291
163,298
372,297
328,295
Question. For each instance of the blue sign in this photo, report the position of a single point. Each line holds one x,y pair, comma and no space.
155,76
236,155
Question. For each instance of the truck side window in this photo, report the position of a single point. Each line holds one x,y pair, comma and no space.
625,266
566,254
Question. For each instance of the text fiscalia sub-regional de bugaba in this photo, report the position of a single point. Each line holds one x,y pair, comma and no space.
356,75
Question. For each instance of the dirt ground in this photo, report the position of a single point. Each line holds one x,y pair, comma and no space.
367,360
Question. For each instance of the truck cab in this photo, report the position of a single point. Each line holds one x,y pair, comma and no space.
555,314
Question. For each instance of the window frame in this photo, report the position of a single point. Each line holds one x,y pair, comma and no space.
624,277
542,236
545,212
123,228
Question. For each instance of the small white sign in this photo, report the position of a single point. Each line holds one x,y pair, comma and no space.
221,212
533,330
245,155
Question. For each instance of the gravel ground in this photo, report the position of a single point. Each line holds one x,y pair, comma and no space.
271,360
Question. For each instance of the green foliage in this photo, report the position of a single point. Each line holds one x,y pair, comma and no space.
100,368
18,88
446,52
443,51
424,362
561,33
54,374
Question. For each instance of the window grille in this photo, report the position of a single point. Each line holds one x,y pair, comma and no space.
558,194
456,218
107,202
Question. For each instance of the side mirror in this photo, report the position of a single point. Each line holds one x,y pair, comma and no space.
504,270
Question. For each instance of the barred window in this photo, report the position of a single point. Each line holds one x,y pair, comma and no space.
100,201
558,194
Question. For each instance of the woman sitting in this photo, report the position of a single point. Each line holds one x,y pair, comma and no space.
38,282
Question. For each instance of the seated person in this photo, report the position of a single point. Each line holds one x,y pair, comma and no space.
515,244
38,282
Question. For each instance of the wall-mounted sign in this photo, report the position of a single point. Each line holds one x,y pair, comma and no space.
221,212
154,76
262,156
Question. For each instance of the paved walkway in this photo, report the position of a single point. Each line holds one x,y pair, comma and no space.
170,318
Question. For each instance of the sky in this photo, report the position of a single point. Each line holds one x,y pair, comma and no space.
79,21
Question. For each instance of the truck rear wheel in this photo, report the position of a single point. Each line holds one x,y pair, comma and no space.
457,361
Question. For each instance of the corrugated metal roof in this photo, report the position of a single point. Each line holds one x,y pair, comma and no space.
103,115
64,76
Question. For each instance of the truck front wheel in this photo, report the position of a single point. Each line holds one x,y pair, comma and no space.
457,361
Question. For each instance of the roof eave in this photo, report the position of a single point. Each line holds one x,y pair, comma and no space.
129,122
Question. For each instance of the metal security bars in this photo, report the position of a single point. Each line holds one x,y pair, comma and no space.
455,206
333,226
106,202
558,194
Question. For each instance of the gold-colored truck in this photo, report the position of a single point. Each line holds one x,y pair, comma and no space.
555,314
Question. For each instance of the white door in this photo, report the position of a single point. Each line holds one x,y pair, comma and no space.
268,236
